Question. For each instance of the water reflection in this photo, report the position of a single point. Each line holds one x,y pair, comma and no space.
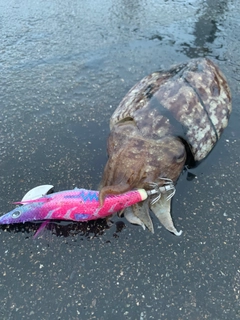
89,230
206,28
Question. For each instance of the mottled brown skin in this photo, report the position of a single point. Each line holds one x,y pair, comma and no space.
138,161
162,119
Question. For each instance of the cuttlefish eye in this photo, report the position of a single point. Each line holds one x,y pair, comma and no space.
16,214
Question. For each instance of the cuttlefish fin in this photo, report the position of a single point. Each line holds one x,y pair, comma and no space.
162,210
130,216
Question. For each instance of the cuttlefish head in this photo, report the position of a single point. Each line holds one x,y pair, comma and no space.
135,162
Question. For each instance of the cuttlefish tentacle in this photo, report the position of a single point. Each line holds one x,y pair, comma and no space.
125,176
116,189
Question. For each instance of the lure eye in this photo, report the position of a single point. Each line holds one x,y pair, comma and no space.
16,214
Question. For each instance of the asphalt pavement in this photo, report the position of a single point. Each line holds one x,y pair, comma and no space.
65,66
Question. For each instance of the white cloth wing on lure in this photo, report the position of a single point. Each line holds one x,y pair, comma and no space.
37,192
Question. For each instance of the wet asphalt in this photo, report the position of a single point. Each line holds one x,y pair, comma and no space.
65,66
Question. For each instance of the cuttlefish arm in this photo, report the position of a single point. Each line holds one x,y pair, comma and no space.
162,210
139,214
135,162
132,218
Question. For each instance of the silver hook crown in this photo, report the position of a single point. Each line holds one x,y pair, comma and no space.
158,191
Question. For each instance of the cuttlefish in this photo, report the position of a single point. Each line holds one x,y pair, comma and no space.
167,120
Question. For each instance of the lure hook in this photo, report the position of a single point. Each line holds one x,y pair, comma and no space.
158,191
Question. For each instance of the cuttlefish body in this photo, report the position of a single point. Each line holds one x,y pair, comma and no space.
165,120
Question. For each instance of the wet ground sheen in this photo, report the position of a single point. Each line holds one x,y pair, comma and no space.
65,66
